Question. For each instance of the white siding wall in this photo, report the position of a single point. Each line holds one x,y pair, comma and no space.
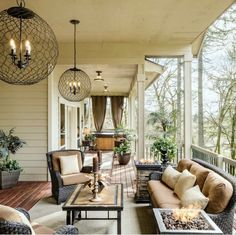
25,108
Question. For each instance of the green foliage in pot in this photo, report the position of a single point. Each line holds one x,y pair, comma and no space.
9,144
90,137
125,147
164,145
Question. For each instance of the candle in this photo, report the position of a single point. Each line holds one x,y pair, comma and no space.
13,46
95,164
99,153
27,46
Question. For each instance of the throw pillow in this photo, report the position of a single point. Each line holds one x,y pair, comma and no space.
170,176
193,197
185,181
69,164
12,215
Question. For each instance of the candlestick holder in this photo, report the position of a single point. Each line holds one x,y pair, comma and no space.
95,197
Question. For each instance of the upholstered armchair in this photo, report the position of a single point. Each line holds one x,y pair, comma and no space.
17,221
66,170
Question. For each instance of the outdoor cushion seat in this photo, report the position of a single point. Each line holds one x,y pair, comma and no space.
74,179
64,184
17,221
162,196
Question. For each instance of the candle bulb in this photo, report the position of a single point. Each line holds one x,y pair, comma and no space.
99,154
13,46
27,46
95,164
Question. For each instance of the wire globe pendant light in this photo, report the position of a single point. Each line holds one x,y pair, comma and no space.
74,84
28,46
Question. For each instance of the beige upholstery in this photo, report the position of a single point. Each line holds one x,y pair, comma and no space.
40,229
200,172
56,156
219,191
12,215
194,198
184,164
185,181
162,196
170,176
69,164
74,178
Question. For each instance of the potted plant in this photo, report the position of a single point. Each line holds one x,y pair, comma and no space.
89,140
9,168
164,146
123,152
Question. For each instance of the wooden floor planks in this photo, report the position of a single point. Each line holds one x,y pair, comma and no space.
25,194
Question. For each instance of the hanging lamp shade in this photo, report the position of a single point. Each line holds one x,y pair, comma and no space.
28,46
74,84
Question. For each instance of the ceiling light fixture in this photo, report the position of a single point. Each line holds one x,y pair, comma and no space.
28,47
99,77
74,84
105,88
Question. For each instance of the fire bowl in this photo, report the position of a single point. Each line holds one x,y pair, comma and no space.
161,214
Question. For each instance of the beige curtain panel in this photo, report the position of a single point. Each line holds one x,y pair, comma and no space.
117,103
99,104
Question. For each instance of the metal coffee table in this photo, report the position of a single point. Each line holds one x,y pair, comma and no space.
78,201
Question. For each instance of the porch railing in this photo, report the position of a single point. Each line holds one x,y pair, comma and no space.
226,164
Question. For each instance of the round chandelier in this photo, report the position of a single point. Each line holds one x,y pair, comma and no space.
28,47
74,84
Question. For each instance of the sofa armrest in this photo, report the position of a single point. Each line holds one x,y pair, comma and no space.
9,227
23,211
67,229
156,175
56,179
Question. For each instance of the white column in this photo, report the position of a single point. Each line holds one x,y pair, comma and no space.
140,118
187,105
131,117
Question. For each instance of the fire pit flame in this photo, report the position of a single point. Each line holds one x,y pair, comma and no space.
186,214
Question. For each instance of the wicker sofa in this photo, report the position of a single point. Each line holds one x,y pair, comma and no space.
17,221
62,186
163,197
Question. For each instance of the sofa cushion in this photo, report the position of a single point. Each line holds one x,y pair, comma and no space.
194,198
162,196
170,176
56,158
69,165
185,181
74,179
12,215
40,229
200,172
219,191
184,164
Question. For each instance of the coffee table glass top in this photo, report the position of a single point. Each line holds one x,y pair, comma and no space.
111,196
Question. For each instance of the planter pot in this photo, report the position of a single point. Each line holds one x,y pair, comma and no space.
9,179
124,159
164,157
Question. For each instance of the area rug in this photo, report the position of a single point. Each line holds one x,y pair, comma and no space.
136,218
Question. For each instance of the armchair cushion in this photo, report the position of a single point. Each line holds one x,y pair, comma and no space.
56,158
40,229
74,179
69,165
12,215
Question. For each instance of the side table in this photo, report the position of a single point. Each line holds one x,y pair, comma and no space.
143,172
